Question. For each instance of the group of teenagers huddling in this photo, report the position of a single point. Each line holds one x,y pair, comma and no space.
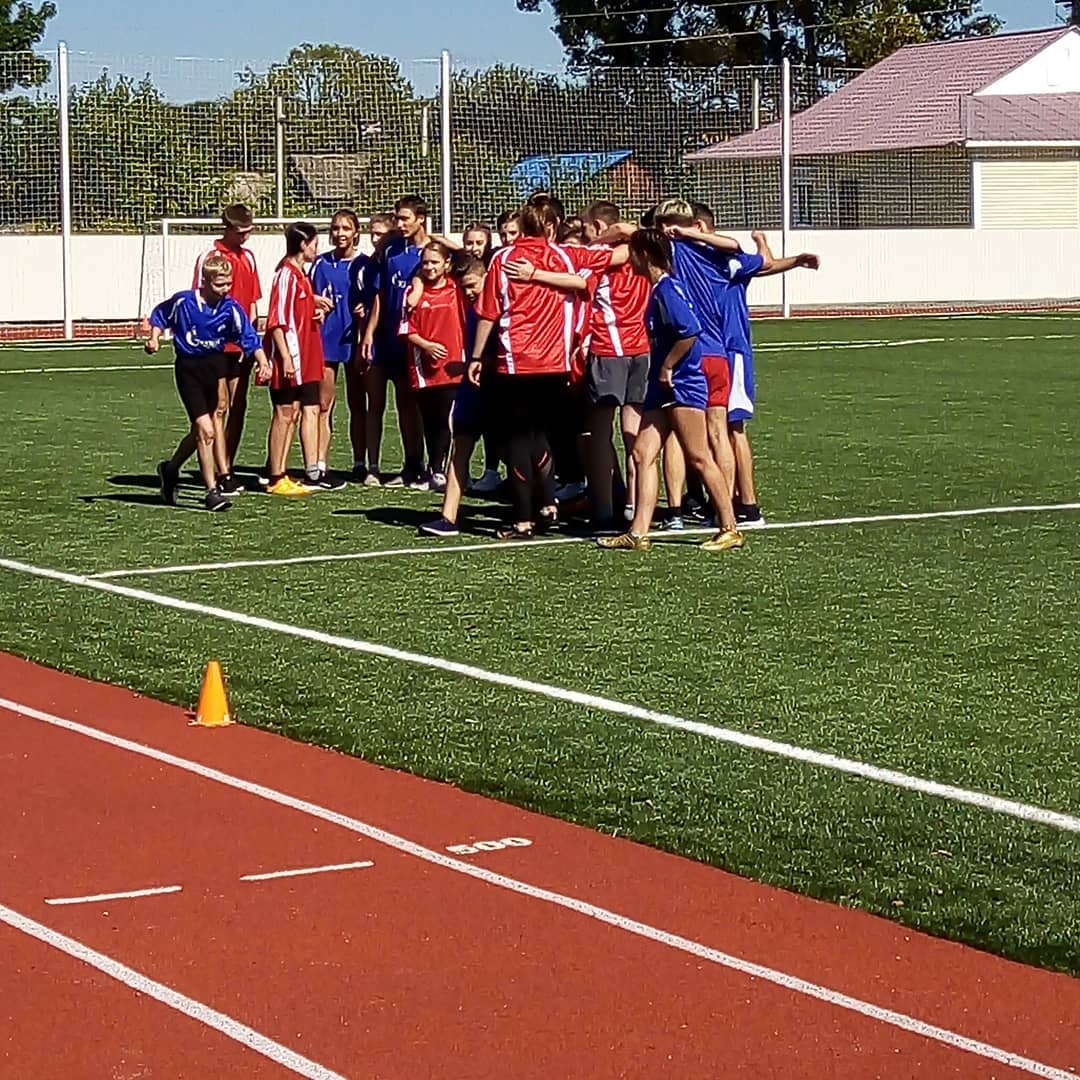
535,347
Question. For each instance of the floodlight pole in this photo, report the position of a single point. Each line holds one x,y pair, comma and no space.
445,141
785,175
63,95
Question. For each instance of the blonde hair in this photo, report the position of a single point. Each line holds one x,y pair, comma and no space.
216,266
675,212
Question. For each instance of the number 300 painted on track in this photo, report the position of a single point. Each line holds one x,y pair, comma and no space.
488,845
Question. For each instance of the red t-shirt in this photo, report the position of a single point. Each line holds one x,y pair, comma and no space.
534,323
440,317
246,290
617,323
292,310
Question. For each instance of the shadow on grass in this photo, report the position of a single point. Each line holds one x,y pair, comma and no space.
470,523
135,499
142,480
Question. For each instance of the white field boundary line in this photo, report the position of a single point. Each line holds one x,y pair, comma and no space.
863,770
181,1003
569,903
275,874
829,346
85,370
437,549
134,894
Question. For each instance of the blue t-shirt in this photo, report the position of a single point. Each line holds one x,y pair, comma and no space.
670,318
330,277
200,329
737,270
392,273
698,269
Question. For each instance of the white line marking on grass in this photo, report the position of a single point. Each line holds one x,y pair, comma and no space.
85,370
438,549
273,875
569,903
101,897
195,1010
892,777
435,548
828,346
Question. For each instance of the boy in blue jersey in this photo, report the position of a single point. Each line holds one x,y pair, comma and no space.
202,322
738,269
392,269
699,268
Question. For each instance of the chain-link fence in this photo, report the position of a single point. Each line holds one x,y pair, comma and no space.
328,127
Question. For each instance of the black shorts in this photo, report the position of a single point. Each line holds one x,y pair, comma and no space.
617,380
197,380
236,364
304,394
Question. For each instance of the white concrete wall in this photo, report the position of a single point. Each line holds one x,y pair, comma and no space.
1054,70
122,277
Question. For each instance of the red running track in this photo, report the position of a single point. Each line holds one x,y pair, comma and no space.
413,967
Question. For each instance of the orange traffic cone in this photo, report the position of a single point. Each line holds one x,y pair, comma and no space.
213,710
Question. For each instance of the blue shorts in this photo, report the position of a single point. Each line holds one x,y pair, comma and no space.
741,400
471,414
688,388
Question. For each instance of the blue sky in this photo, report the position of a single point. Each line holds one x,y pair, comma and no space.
476,31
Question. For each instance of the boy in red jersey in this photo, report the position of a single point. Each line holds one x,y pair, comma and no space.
238,223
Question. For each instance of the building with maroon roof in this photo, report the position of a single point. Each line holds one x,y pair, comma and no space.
980,133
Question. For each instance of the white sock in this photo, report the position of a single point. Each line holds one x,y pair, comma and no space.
322,466
312,472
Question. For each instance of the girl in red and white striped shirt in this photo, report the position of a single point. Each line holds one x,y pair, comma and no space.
294,345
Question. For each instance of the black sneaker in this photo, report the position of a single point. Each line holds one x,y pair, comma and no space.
330,481
216,501
438,528
230,485
749,515
169,480
693,509
359,474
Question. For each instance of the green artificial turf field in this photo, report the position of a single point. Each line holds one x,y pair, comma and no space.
946,648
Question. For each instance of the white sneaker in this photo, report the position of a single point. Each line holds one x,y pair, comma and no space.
488,483
438,482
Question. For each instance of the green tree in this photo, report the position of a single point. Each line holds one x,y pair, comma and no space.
819,33
22,26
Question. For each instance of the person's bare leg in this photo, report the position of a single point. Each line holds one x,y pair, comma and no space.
281,428
630,421
601,461
647,448
356,398
375,385
690,428
720,445
457,476
234,428
203,430
309,438
326,410
674,473
744,463
221,452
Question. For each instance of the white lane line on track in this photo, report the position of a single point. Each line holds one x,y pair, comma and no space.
100,898
983,801
275,874
793,983
450,549
181,1003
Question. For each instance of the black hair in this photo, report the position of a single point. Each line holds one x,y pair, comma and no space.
347,213
648,219
704,214
413,203
653,247
479,226
540,199
297,235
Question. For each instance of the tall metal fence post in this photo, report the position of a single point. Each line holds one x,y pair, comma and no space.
785,175
445,163
63,88
279,156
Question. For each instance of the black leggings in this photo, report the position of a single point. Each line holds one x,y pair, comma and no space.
435,403
525,409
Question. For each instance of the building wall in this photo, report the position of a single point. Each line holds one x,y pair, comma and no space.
119,277
1055,70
